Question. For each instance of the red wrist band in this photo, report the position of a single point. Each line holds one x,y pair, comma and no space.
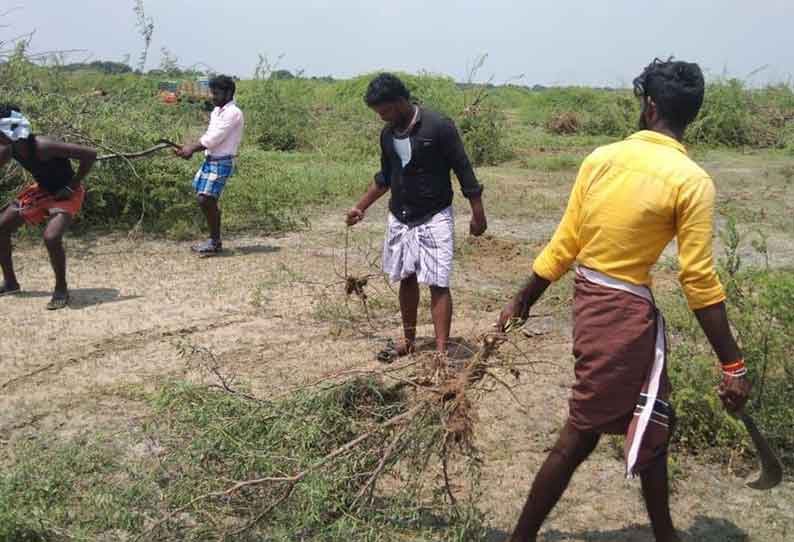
736,368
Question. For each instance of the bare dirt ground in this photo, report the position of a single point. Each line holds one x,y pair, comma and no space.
273,312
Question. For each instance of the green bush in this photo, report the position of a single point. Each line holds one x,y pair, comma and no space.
538,105
735,116
726,118
483,127
759,304
483,136
616,118
267,192
436,92
331,133
347,132
271,190
704,427
277,112
129,118
580,110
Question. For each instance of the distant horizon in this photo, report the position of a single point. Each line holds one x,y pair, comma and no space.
300,75
574,43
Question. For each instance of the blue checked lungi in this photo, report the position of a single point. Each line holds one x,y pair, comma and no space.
211,177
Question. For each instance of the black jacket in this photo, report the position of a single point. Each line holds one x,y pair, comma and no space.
424,187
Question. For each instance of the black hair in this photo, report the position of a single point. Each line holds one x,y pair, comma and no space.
223,82
6,109
386,88
676,87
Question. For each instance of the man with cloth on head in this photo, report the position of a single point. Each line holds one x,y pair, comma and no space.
629,201
418,148
219,143
57,195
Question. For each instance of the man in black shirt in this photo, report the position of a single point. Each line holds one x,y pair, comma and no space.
418,149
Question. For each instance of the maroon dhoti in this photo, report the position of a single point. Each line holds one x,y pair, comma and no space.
621,377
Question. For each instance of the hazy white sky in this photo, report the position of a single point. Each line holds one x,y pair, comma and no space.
603,42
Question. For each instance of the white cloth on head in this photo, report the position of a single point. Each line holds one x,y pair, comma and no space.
425,250
15,127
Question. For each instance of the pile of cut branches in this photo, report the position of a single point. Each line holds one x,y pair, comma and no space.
350,445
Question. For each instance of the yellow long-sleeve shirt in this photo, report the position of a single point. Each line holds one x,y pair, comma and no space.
629,201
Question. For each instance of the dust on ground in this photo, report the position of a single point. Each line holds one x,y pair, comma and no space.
273,312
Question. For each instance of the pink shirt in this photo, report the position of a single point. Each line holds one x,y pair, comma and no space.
225,131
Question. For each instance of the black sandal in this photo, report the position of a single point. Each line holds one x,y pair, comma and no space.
58,302
5,290
208,248
390,353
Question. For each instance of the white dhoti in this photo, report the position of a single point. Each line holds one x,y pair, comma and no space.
425,250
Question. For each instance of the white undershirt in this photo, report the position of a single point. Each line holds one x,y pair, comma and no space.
403,148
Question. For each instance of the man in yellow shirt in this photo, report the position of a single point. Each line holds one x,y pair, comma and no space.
629,201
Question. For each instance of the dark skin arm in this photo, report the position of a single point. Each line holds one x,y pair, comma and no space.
356,214
478,221
86,156
5,154
517,310
188,150
455,154
374,193
713,319
734,391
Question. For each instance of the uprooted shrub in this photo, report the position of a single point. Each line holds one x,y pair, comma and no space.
200,442
564,123
363,455
576,110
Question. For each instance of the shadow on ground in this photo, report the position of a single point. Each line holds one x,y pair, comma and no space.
704,529
80,298
249,249
458,348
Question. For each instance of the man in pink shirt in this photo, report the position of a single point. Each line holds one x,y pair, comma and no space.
219,143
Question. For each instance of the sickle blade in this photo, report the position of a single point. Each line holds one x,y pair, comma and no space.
771,468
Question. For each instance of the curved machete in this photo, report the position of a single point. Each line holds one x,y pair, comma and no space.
771,468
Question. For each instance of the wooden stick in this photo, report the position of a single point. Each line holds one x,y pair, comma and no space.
162,144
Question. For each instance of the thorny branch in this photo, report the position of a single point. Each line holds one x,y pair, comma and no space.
436,386
81,135
440,397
